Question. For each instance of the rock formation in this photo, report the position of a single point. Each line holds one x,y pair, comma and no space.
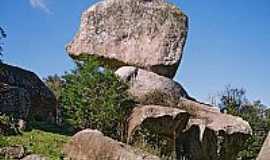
150,34
144,40
24,94
167,121
265,151
93,145
209,134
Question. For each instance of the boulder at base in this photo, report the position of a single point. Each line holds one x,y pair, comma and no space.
20,87
93,145
150,34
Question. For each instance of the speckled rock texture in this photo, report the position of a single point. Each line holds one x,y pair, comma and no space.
209,134
149,34
168,121
93,145
143,83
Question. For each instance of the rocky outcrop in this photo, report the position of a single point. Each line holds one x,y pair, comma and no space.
24,93
150,34
167,121
92,144
265,151
144,40
144,84
210,135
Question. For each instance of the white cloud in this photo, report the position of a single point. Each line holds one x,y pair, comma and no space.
40,4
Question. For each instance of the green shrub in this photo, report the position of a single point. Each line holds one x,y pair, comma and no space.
95,99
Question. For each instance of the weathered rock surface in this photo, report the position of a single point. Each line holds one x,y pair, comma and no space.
211,135
19,87
143,84
92,144
149,34
35,157
13,152
265,151
14,100
167,121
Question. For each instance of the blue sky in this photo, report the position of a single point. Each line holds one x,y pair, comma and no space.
228,42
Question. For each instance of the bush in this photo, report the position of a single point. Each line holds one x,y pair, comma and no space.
95,98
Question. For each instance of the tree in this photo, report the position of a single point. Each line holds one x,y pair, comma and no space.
232,99
95,99
2,35
55,83
236,103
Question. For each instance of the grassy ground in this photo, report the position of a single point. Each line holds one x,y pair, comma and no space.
47,141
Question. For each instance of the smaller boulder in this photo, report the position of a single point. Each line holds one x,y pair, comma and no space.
93,145
13,152
147,86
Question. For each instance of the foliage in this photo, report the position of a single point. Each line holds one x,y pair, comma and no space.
38,142
2,35
234,101
95,98
55,83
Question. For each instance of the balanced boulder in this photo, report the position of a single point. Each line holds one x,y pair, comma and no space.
150,34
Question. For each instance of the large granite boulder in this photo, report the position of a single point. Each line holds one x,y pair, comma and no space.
265,151
21,87
148,86
93,145
150,34
210,135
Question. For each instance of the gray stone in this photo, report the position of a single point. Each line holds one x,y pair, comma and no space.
92,144
210,135
144,85
35,157
13,152
150,34
25,87
167,121
265,151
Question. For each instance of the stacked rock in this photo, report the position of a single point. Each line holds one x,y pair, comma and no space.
144,41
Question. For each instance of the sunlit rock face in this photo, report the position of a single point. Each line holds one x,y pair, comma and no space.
150,34
93,145
265,150
144,84
209,134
